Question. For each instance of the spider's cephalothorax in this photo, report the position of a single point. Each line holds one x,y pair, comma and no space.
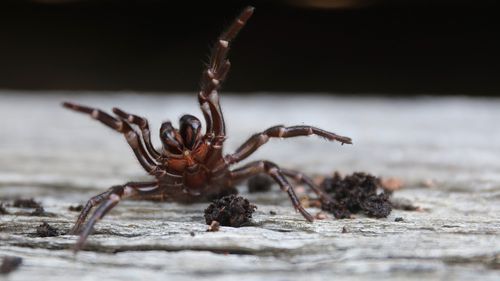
191,165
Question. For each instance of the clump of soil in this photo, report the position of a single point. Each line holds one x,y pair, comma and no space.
359,192
26,203
77,208
10,264
3,211
46,230
230,210
39,212
259,183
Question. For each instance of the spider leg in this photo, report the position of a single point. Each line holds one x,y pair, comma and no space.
96,200
300,177
106,201
123,127
142,123
257,167
213,76
257,140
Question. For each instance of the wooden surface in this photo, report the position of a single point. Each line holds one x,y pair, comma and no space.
446,150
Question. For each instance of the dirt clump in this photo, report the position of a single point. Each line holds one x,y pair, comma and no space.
38,212
26,203
259,183
231,210
359,192
77,208
10,264
46,230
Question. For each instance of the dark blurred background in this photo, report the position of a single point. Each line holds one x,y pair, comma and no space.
341,46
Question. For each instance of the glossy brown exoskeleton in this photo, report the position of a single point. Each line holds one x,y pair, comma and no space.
191,165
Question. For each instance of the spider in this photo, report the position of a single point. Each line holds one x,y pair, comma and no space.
191,166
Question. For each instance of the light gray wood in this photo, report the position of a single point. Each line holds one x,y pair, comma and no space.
446,150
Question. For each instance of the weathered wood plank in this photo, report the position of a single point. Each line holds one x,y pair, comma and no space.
446,151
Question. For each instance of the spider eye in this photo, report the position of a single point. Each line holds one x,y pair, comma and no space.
190,130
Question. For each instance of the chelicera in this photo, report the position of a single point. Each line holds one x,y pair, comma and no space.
191,166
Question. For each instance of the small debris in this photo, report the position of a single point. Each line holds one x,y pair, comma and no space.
404,204
10,264
399,219
272,213
214,226
354,193
259,183
308,202
392,184
77,208
39,212
26,203
46,230
429,183
304,201
230,210
3,211
192,233
321,216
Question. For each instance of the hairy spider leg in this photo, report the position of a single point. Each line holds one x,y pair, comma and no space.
259,167
142,123
106,201
123,127
257,140
96,200
300,177
213,76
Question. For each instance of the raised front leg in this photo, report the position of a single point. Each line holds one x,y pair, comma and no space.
257,140
123,127
258,167
213,76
